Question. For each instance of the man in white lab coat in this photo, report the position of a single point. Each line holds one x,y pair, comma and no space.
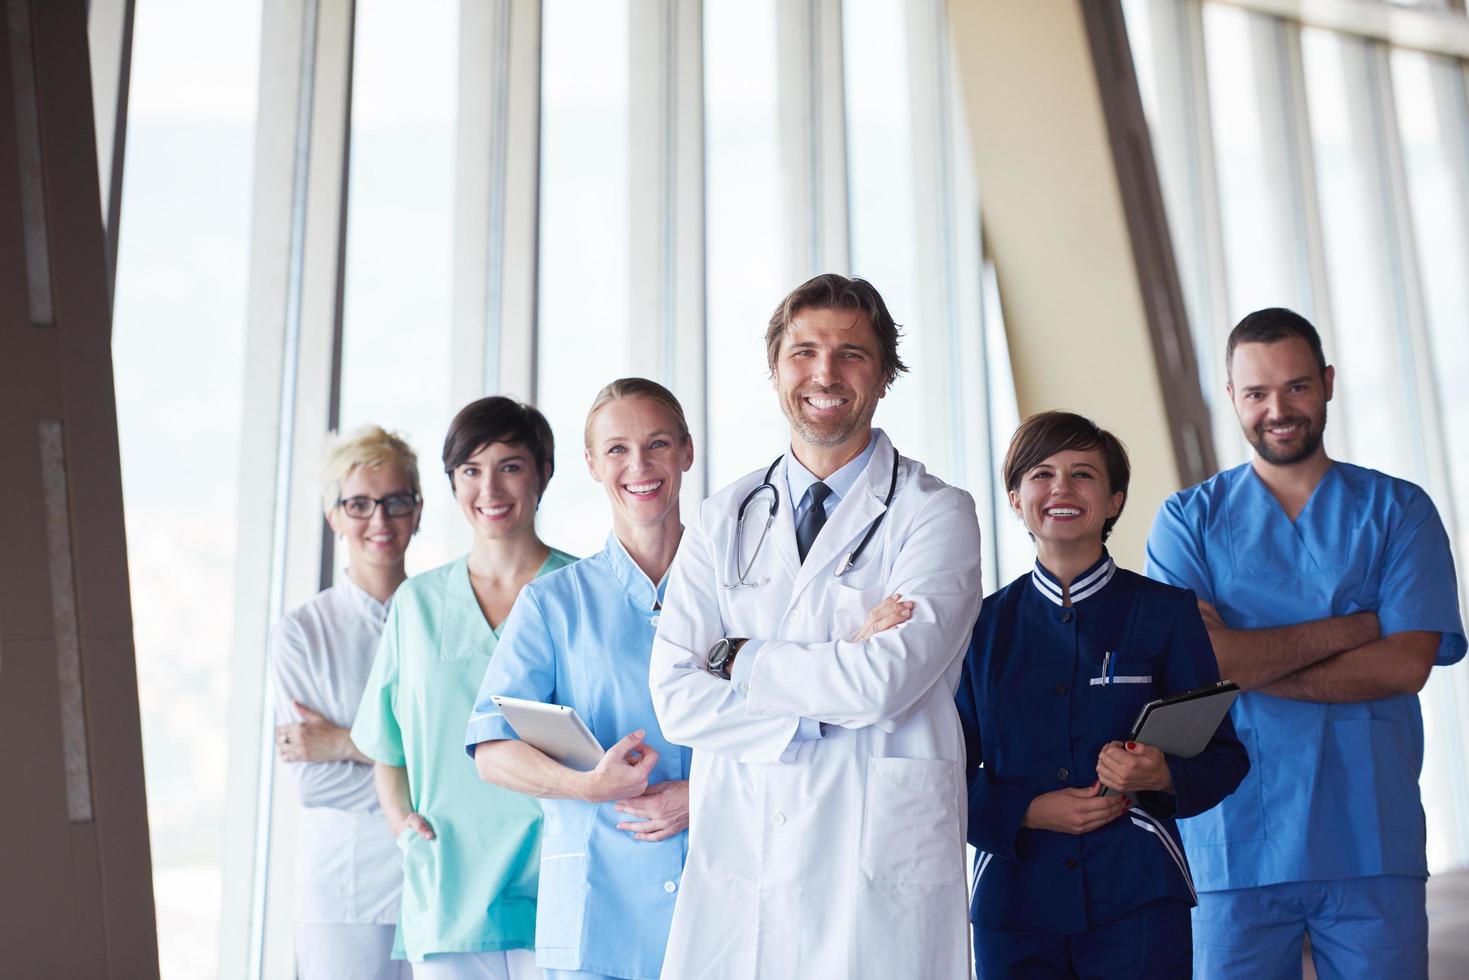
827,789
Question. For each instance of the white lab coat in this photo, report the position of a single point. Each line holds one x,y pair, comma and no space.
841,857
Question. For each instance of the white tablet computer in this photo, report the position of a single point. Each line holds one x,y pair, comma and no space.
555,729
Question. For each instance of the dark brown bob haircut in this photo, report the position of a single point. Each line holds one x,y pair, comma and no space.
500,419
1043,436
830,291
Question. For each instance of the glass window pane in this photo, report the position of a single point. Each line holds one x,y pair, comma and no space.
1437,201
1424,88
178,346
584,337
1374,390
748,247
1261,237
395,334
883,198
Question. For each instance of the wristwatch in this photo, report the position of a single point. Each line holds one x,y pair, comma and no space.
722,654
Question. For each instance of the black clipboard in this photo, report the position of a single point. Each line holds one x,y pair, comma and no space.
1183,724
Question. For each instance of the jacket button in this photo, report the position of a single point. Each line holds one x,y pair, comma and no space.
779,819
669,887
1066,617
1071,863
1061,774
1060,688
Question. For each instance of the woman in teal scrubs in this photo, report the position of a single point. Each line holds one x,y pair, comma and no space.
613,853
469,849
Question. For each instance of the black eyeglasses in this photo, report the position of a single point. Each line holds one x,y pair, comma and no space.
394,505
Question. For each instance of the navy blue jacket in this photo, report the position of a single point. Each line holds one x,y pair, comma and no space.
1036,715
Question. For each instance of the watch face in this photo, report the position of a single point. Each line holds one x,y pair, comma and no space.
718,654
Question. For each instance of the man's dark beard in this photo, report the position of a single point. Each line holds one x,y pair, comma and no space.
1309,444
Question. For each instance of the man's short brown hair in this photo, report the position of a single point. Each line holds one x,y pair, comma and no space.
1042,436
830,291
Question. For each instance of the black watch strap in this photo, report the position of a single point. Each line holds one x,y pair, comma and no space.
722,653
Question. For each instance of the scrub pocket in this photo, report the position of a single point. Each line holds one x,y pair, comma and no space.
562,891
1241,815
910,822
1366,766
420,871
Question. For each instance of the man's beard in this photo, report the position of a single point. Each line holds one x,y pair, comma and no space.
1310,442
825,434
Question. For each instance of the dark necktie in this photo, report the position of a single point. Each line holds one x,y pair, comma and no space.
813,520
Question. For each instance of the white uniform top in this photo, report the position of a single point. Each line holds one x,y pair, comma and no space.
843,856
348,869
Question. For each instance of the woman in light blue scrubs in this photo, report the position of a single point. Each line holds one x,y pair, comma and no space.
469,850
614,845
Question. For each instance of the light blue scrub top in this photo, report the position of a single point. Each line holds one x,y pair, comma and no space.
1333,788
473,887
583,637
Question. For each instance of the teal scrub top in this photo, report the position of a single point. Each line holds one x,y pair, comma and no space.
473,887
1333,788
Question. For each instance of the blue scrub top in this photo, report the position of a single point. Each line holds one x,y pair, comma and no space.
1333,792
1037,705
583,637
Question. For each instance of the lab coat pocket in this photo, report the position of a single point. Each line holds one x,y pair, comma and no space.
910,822
420,871
562,893
850,606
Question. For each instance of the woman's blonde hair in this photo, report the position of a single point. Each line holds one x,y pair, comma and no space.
371,446
636,388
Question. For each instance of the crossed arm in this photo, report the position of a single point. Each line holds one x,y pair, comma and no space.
1336,660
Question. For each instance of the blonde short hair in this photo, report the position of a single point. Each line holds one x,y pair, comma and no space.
371,446
636,388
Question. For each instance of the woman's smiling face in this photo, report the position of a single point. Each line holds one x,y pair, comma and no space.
497,489
636,451
1066,497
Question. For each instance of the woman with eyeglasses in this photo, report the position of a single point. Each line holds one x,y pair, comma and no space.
469,849
347,871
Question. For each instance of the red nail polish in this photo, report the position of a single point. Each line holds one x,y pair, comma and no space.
1131,746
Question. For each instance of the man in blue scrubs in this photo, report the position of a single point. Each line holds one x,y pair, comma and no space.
1329,593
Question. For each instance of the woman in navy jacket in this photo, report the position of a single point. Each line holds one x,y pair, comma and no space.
1066,882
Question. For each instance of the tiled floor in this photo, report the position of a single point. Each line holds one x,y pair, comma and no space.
1448,927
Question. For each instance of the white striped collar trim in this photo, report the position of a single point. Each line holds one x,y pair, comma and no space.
1092,581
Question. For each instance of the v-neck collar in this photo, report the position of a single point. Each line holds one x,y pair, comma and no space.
362,601
633,579
1264,488
465,588
1084,586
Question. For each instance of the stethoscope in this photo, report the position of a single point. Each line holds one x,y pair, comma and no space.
741,574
